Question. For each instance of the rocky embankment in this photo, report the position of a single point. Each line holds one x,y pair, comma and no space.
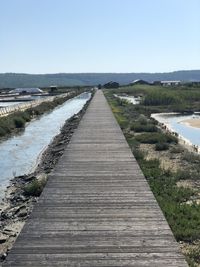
17,205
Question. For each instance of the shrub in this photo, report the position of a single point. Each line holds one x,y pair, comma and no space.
19,122
139,155
161,146
159,98
2,131
193,255
131,141
18,119
142,120
123,122
138,127
153,138
191,157
34,188
26,116
183,175
176,149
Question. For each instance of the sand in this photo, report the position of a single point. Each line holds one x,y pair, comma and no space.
192,122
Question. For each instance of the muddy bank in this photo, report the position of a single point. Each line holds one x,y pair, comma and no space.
17,205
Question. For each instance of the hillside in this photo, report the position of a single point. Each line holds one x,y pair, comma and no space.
10,80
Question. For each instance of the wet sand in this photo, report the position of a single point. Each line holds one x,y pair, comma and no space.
192,122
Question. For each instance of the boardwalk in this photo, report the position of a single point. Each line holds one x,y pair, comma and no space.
97,208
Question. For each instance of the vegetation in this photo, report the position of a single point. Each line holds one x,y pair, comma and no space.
158,98
164,99
155,138
17,120
143,125
35,187
162,146
177,202
62,79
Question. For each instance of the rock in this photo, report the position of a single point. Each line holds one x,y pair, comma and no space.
29,178
3,256
22,198
57,150
22,213
61,142
3,238
13,212
7,231
6,215
18,197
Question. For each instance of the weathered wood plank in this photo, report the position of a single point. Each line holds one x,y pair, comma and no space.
97,208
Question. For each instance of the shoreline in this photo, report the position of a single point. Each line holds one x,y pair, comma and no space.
16,207
194,123
165,126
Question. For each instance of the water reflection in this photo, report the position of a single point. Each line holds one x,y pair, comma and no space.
18,154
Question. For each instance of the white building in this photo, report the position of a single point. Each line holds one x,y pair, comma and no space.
170,83
26,91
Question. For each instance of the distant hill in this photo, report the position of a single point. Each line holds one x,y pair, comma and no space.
12,80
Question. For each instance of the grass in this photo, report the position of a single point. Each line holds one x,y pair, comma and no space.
183,218
159,99
18,120
155,138
191,157
139,127
11,122
161,146
193,256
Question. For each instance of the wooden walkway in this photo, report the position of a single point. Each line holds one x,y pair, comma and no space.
97,208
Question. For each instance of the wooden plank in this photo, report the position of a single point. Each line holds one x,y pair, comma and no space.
97,208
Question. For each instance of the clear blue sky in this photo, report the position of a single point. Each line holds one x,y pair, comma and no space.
50,36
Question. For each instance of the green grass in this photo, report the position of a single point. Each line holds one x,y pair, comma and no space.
141,127
17,120
161,146
164,99
183,218
154,138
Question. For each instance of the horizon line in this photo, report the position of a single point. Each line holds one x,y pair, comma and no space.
157,72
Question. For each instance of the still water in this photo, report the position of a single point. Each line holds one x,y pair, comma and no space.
19,154
132,99
175,122
6,104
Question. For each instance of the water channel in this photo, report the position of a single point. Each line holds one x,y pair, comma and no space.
19,154
7,104
175,123
132,99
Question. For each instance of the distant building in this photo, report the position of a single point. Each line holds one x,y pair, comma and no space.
111,85
157,83
26,91
138,81
193,83
53,88
170,83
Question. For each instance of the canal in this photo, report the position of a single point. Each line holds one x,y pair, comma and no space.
19,154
